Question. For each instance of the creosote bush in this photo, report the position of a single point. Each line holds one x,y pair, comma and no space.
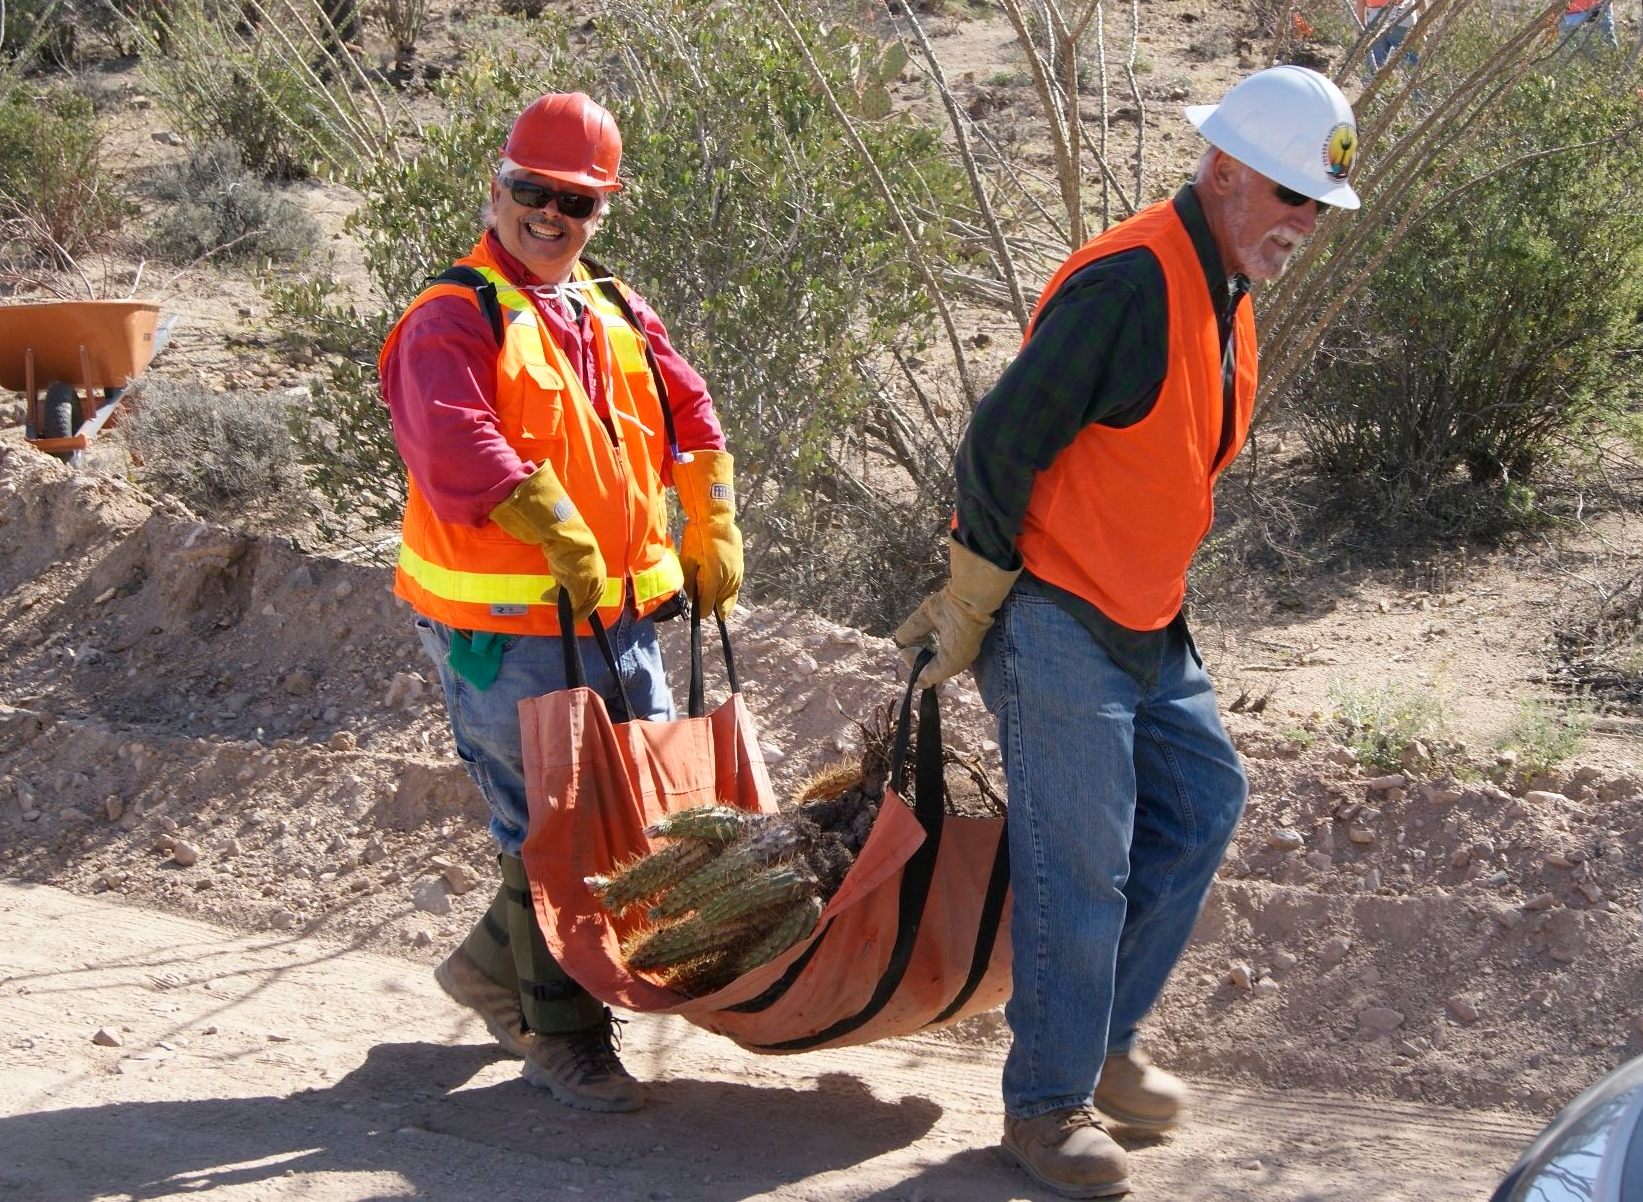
214,205
55,200
228,456
1502,328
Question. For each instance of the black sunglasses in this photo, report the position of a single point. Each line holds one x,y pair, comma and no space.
1296,199
578,206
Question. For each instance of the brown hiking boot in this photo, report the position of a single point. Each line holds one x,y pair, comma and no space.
498,1005
1133,1092
1068,1151
580,1068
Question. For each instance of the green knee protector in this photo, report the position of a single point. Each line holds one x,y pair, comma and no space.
553,1003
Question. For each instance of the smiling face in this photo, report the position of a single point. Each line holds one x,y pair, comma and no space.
1255,231
544,240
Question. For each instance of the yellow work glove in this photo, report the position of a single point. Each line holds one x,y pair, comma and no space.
710,550
540,511
958,615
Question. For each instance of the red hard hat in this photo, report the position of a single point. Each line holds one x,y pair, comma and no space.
568,137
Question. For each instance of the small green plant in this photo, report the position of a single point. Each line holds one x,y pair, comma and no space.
55,199
1545,735
216,206
1382,724
225,455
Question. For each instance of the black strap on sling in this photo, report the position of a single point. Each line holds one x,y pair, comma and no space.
697,706
484,290
575,677
930,807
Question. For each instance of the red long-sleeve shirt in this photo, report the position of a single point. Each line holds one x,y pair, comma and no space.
440,388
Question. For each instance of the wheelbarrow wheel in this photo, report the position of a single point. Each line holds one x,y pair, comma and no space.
60,417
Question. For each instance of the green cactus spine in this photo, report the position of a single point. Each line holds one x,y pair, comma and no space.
679,942
647,876
713,823
777,841
781,883
795,921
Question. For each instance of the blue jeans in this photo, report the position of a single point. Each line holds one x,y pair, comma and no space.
1386,44
485,722
1121,803
1585,29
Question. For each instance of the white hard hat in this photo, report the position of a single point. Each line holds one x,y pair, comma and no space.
1290,124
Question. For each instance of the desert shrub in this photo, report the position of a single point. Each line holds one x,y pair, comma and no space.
215,205
1384,724
404,22
37,32
1543,736
228,456
1500,326
740,182
55,199
269,76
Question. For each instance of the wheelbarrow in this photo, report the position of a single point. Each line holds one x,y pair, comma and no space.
74,360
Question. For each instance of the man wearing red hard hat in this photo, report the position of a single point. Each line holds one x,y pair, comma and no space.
541,410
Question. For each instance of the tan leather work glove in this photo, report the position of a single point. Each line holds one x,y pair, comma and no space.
540,511
710,550
958,615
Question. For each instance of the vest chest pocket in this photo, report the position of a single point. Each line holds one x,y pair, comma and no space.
531,406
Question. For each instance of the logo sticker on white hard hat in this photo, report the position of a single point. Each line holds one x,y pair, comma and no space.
1340,150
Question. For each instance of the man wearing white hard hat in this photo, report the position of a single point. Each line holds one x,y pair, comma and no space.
1085,484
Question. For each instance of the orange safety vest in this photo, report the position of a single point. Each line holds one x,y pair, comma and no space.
481,577
1116,518
1581,6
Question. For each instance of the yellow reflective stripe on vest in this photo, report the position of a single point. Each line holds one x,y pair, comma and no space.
496,588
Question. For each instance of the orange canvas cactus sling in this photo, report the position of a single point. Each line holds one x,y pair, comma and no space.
916,936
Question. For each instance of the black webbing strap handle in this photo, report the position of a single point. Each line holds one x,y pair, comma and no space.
575,677
697,705
929,805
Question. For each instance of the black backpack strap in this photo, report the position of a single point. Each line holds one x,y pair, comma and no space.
612,292
484,290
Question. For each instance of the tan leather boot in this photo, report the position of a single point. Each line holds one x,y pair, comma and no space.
1134,1092
465,984
580,1068
1069,1151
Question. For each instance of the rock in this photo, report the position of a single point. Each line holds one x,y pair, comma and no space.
1320,861
1282,962
405,688
1241,975
1495,880
1591,891
1541,901
113,807
1380,1020
1558,860
1381,784
1286,840
1334,949
1462,1008
106,1038
459,880
804,665
1372,880
429,895
343,740
1545,797
374,852
229,849
1266,987
1510,919
184,854
1461,858
167,137
1440,795
283,920
772,753
422,939
1360,834
298,682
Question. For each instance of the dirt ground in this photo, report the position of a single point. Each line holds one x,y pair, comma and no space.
233,832
263,1066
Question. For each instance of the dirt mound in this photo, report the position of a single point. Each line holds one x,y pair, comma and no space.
225,725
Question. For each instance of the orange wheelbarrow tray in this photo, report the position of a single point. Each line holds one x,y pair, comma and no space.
73,360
